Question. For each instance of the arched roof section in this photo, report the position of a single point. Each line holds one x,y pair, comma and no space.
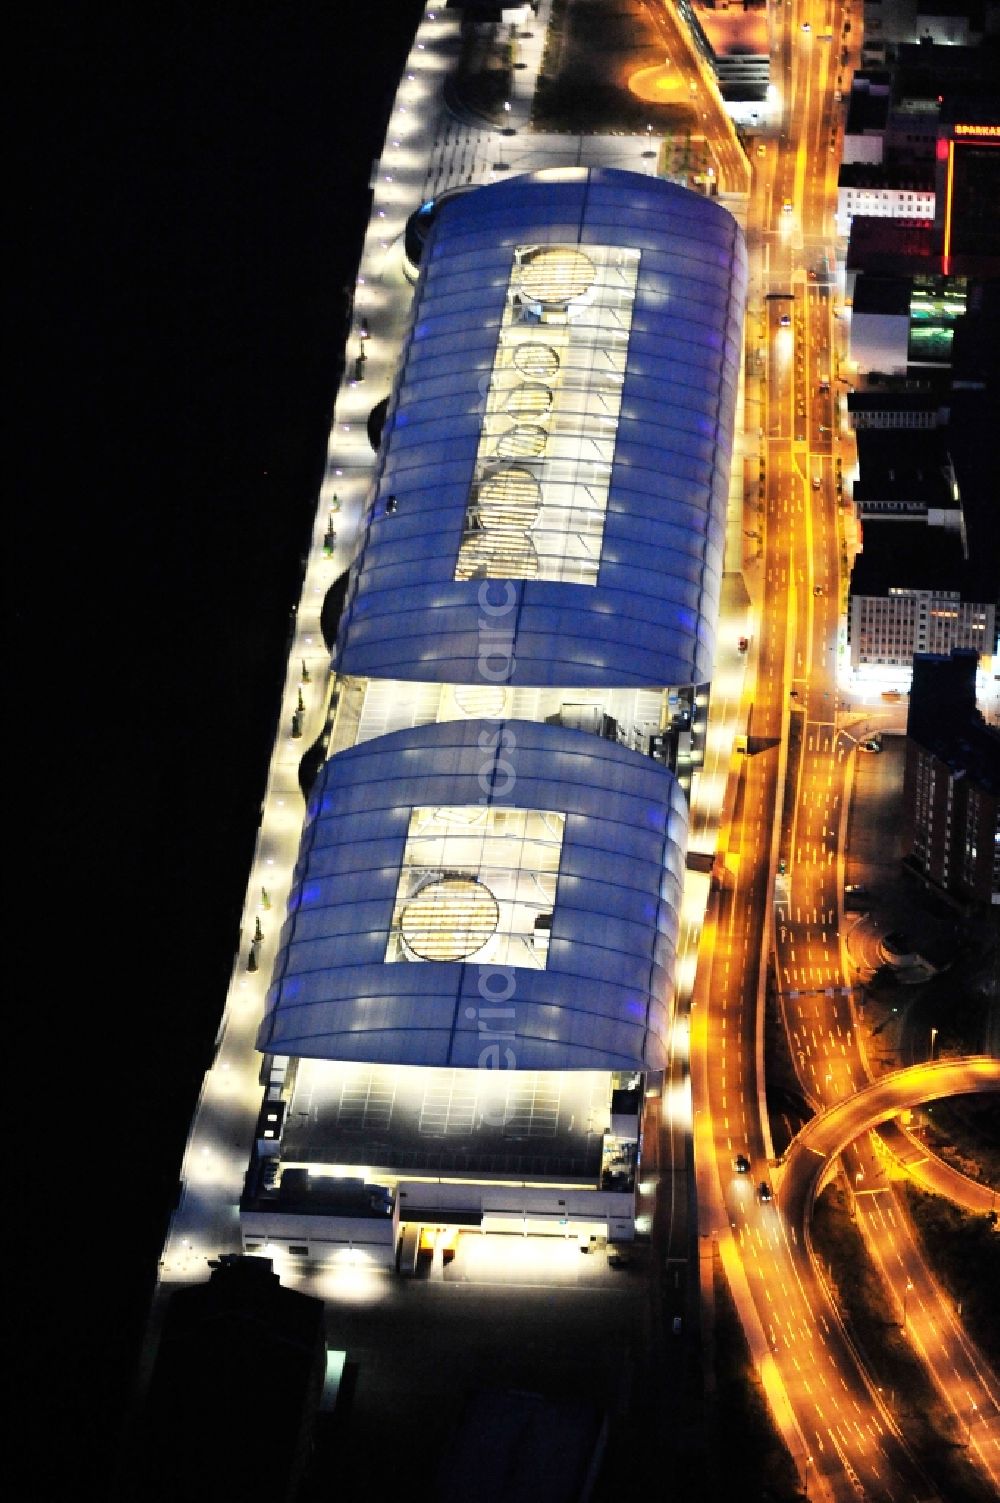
583,980
616,442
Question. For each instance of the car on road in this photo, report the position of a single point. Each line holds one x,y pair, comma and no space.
817,589
763,1192
744,643
806,26
762,150
741,1164
817,482
786,207
785,320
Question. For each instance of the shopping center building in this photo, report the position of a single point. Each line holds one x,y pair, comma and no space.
475,977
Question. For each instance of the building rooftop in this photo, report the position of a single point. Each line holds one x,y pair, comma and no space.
919,178
868,110
527,1123
974,358
889,295
943,718
236,1345
913,468
739,33
973,412
889,247
879,398
929,70
908,555
559,440
973,9
436,887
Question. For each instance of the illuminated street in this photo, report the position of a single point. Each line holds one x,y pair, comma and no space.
787,894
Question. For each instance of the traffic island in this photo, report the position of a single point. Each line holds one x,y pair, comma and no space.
964,1253
965,1132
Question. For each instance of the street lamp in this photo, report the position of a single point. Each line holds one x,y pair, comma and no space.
934,1034
909,1286
809,1462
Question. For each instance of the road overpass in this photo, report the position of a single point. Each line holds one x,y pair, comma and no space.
812,1155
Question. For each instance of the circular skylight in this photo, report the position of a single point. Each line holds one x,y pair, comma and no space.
523,441
556,275
538,360
449,919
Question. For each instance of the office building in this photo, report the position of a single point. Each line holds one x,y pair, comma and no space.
951,789
883,192
914,590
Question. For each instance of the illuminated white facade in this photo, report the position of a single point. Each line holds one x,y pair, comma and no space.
881,200
887,630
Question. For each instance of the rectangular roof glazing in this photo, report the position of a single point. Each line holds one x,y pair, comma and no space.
543,467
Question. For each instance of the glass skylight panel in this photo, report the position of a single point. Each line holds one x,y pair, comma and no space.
539,496
477,883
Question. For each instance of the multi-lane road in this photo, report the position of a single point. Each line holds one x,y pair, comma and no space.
785,897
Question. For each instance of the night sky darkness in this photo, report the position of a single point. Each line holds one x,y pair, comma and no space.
195,190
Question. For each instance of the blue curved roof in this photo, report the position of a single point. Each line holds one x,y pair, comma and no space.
602,1000
650,617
